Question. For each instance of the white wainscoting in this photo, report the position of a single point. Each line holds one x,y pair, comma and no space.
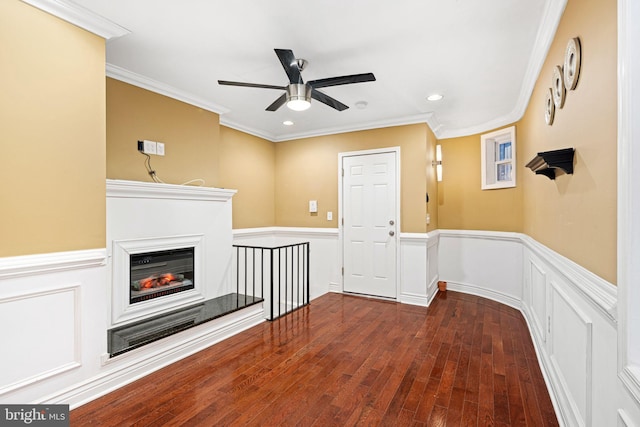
55,312
418,275
50,340
571,314
482,263
413,269
324,272
418,268
49,309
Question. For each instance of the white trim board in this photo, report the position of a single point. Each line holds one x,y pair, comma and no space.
81,17
629,203
37,264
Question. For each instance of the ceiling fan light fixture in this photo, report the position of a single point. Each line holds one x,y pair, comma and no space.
298,97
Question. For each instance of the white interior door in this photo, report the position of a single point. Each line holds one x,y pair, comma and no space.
369,190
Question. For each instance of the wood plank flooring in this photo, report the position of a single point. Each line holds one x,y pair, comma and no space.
344,361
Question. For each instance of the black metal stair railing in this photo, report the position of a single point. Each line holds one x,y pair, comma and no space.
279,275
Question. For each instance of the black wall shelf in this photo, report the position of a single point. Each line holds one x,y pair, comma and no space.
548,162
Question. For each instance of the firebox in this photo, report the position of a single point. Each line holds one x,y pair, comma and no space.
160,273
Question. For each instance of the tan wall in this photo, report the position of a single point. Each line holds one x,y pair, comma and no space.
461,202
307,169
575,215
190,134
247,164
52,134
432,183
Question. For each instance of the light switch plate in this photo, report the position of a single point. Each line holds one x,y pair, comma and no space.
329,216
313,206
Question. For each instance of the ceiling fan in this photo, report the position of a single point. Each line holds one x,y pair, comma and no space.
298,94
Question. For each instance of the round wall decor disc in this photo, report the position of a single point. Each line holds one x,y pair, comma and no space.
549,108
558,87
572,58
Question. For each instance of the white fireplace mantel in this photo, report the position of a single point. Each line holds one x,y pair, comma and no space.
152,190
146,217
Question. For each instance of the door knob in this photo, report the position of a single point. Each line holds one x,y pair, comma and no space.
391,233
391,222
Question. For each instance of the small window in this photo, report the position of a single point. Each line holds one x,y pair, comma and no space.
498,159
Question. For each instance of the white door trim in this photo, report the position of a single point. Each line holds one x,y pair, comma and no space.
341,157
628,199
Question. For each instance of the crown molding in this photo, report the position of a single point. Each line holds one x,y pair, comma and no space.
546,33
147,83
410,120
247,129
377,124
80,17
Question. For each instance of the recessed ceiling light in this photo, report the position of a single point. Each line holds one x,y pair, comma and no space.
287,123
435,97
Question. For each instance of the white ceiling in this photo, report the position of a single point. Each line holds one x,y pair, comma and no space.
483,56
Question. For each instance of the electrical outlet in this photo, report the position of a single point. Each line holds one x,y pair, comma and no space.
160,148
148,147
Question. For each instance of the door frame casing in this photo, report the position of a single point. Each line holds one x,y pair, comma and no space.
341,156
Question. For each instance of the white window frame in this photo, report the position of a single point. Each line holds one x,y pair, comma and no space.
494,158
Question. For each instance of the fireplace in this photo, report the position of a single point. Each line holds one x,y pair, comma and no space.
170,247
160,273
155,275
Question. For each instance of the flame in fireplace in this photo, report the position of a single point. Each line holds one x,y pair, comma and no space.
165,279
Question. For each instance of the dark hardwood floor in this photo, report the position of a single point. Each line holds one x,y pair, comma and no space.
347,360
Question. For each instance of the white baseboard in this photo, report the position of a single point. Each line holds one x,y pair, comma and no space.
485,293
414,299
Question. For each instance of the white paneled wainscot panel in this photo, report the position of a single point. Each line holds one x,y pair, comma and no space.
49,304
535,287
48,335
419,267
570,351
413,269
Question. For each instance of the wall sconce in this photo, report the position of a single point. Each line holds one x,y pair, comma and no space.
438,163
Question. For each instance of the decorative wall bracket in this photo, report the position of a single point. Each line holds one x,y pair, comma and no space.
548,162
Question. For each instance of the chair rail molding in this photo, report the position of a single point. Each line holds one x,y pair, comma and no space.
33,265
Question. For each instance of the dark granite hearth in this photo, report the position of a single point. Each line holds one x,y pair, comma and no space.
135,335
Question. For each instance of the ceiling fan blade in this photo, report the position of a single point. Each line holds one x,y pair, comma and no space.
228,83
342,80
326,99
290,65
277,103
